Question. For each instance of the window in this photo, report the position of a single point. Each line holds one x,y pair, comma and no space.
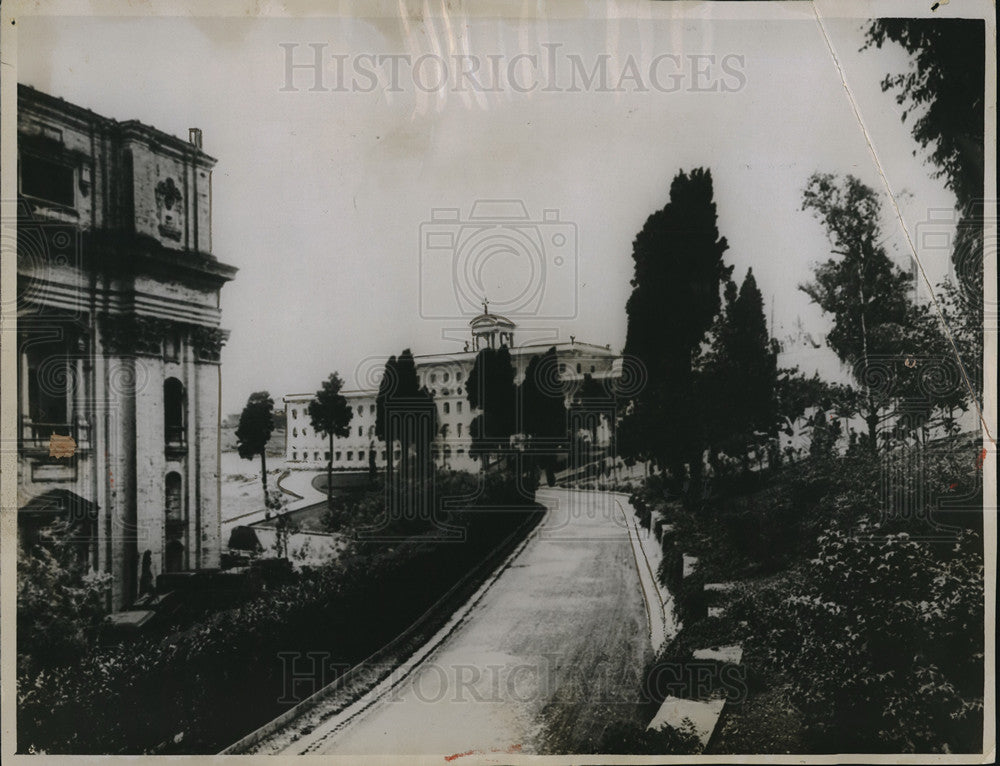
578,367
315,456
51,384
326,456
174,498
360,431
305,432
460,452
447,408
371,409
459,429
295,432
47,180
445,377
295,414
592,368
383,454
172,346
336,455
350,455
361,410
458,407
295,455
458,376
362,455
434,377
174,406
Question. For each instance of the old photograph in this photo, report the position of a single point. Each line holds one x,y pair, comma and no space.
471,382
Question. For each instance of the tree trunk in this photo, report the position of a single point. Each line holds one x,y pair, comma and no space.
263,474
329,477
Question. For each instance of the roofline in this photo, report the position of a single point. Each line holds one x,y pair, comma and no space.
46,101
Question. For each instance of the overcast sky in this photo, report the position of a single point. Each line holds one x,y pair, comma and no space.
319,196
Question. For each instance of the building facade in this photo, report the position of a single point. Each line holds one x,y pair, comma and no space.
119,342
445,376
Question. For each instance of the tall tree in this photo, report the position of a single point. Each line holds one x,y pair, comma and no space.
405,412
331,416
254,431
490,389
675,297
417,414
383,427
543,410
944,88
866,294
740,374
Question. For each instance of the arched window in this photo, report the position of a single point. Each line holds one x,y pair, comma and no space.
174,412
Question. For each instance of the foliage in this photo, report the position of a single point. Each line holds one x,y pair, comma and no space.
875,322
859,589
60,606
175,694
675,297
328,411
636,739
330,415
254,431
882,636
945,87
490,389
742,358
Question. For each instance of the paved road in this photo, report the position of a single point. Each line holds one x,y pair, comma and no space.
543,663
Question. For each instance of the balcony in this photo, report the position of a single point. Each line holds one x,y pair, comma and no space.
54,439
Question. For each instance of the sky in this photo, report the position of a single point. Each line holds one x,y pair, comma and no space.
334,203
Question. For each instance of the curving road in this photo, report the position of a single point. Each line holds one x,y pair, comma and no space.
545,660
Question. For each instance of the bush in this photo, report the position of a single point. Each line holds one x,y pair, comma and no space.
60,606
203,688
882,638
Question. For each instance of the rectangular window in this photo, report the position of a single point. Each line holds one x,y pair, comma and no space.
326,456
350,455
459,406
295,456
336,455
47,180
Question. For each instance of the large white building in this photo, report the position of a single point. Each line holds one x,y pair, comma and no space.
445,376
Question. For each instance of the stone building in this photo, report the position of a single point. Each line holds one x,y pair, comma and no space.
119,342
445,376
